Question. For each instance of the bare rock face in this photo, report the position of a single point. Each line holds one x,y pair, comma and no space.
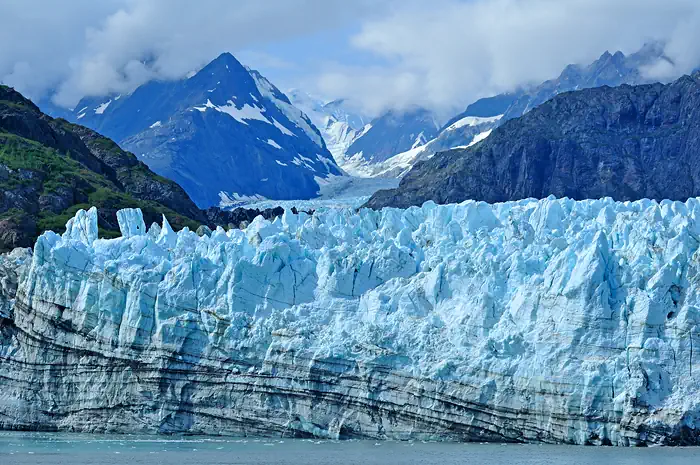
554,321
628,143
17,231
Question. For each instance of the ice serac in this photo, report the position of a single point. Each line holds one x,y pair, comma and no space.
83,226
548,321
131,222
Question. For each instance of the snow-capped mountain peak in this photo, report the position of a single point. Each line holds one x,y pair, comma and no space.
393,132
339,123
218,133
480,118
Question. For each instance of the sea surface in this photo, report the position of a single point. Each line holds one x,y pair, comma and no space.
77,449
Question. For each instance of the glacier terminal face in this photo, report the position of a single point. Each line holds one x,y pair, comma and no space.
553,321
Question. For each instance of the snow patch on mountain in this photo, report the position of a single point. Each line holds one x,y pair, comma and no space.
246,112
282,129
303,161
101,108
479,137
419,142
235,199
472,121
400,164
340,126
274,144
396,166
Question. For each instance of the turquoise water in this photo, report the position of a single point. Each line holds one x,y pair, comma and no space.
77,449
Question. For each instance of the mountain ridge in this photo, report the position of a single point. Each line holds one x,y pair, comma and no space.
340,125
609,69
225,131
623,142
391,133
51,168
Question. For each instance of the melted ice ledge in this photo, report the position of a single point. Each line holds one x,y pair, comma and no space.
552,320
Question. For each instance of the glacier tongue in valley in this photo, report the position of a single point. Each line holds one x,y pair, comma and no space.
551,320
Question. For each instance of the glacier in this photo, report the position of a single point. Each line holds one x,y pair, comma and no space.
553,320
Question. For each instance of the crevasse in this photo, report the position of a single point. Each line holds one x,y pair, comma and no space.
552,320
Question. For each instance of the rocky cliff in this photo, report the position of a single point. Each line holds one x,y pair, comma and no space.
547,321
627,142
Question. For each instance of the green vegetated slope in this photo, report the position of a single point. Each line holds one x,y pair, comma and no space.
50,168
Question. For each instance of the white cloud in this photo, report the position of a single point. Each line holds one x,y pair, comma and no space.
262,60
39,39
442,54
446,53
88,47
